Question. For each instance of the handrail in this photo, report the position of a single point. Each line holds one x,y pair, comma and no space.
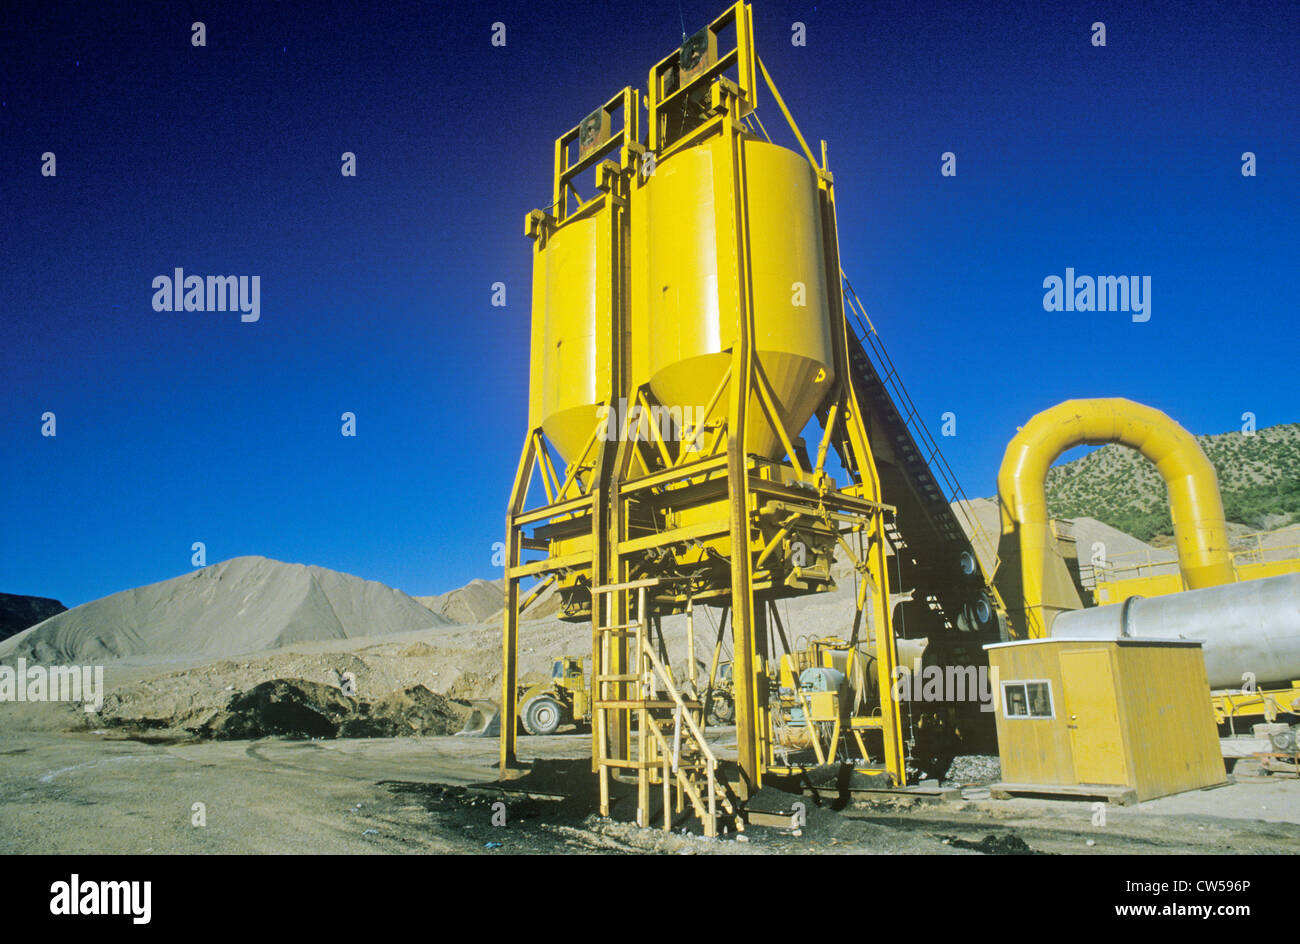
655,675
1131,564
940,468
683,713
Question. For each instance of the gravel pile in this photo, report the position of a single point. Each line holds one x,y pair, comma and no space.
239,606
974,769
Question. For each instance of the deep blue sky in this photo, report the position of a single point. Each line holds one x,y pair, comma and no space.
183,427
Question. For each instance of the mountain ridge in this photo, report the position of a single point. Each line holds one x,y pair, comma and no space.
1259,479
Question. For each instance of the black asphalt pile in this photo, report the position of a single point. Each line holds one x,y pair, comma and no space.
298,708
994,844
410,712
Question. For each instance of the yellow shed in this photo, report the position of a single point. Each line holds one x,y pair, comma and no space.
1128,719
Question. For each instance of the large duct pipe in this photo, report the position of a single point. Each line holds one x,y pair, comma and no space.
1197,510
1249,627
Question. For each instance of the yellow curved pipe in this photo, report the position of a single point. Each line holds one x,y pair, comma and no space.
1200,532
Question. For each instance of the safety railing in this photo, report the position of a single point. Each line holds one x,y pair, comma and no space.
955,495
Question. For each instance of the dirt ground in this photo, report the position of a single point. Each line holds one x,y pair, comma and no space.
127,779
89,792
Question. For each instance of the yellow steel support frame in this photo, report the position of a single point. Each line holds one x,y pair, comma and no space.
613,494
844,427
660,101
510,641
873,568
855,446
613,180
749,675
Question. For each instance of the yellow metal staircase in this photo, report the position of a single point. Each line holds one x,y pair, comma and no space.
667,747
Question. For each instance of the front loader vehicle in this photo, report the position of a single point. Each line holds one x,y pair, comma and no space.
564,699
722,704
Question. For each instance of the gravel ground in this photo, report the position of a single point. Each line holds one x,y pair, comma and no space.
85,792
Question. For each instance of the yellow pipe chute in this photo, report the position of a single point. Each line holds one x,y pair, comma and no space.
1196,508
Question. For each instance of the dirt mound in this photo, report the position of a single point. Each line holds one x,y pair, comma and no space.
243,605
303,709
473,603
482,601
419,650
413,711
473,685
285,707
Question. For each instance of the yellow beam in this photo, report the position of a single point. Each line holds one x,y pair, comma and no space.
776,96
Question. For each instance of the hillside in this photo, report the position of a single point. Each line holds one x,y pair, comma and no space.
1259,477
242,605
19,612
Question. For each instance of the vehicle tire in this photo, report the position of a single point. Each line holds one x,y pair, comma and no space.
722,708
542,715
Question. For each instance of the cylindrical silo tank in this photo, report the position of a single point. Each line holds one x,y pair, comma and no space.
693,279
1250,627
572,340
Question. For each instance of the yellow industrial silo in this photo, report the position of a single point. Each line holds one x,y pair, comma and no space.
686,302
688,326
573,347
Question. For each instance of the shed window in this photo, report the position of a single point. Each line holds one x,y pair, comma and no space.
1027,699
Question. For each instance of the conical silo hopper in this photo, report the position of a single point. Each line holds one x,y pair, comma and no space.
571,356
689,311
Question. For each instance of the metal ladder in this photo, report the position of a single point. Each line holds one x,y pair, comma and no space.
668,747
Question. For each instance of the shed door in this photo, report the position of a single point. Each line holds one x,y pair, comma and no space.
1092,716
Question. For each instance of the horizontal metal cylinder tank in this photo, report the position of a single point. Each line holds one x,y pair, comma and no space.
691,292
1250,627
571,353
